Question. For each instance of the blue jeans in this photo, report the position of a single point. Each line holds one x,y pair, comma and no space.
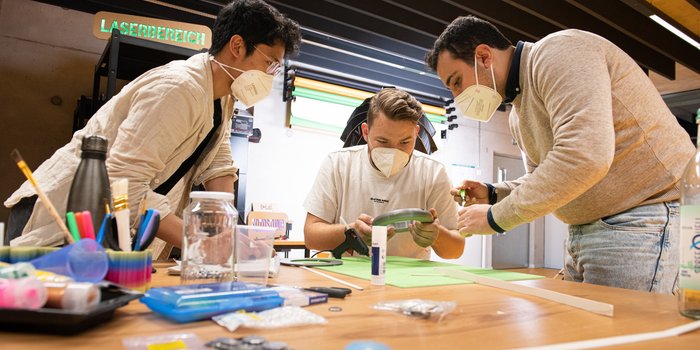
636,249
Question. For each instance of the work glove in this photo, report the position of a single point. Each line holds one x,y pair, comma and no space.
425,234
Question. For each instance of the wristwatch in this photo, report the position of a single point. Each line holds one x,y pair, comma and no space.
493,194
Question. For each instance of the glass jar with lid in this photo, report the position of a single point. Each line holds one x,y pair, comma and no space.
208,248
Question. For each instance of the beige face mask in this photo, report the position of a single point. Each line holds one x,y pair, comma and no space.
479,102
251,87
389,160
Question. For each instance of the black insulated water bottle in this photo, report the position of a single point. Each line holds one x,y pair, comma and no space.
90,188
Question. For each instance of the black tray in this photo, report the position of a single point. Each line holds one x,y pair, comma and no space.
57,321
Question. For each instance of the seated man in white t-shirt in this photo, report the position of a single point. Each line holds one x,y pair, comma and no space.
361,182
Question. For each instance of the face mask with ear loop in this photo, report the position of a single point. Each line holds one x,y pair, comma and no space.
479,102
389,160
251,86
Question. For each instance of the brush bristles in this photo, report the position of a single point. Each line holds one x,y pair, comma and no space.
16,156
120,194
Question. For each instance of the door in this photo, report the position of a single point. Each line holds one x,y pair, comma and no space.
510,249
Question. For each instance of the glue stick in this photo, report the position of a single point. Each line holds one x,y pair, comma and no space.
378,254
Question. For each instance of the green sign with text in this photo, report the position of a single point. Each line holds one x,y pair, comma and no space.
188,35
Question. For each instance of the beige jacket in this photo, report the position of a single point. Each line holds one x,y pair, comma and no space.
153,125
597,137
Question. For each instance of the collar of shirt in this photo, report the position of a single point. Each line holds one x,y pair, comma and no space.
513,82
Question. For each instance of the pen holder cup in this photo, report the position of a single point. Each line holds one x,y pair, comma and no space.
130,269
5,254
24,254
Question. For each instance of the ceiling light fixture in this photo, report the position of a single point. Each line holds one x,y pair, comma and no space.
675,30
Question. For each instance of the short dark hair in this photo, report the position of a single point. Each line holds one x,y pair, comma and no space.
462,36
258,23
395,104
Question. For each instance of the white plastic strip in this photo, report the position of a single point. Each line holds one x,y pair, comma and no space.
332,278
622,339
581,303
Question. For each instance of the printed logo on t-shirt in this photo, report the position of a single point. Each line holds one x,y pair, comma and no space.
379,200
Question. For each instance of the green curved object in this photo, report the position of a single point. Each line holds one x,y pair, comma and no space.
397,217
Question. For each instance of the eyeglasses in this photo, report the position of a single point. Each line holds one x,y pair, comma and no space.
274,67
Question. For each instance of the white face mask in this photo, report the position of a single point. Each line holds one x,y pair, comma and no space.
479,102
389,160
251,86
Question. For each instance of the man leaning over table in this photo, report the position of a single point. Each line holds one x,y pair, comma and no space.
361,182
603,151
161,118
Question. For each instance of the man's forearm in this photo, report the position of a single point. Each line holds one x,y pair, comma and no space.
170,230
323,236
449,244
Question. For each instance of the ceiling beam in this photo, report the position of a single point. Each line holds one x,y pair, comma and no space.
643,29
352,18
307,17
445,13
503,15
379,75
207,7
564,14
396,73
133,7
340,44
694,3
394,15
531,20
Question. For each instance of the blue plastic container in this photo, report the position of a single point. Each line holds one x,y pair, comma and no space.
194,302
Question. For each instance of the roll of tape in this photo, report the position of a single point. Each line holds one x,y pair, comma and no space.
395,217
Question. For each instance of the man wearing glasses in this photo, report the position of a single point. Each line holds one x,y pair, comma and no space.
169,129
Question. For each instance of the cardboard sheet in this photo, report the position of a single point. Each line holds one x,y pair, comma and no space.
411,273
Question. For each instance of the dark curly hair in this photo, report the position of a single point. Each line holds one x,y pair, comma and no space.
395,104
258,23
462,36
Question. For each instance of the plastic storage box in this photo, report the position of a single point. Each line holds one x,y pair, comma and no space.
186,303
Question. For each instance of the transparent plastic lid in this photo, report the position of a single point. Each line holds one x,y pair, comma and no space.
226,196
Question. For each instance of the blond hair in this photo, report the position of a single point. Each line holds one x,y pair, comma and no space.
395,104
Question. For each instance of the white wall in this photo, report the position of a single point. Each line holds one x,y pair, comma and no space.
473,144
46,52
283,166
557,233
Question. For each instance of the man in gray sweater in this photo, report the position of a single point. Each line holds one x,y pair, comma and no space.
603,151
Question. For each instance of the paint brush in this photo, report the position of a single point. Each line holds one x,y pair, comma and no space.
42,196
120,195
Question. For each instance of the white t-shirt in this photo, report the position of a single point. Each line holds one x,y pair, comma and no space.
348,185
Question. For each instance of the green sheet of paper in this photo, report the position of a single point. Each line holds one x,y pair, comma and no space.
410,273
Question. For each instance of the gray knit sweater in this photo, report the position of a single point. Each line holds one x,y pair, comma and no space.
597,137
